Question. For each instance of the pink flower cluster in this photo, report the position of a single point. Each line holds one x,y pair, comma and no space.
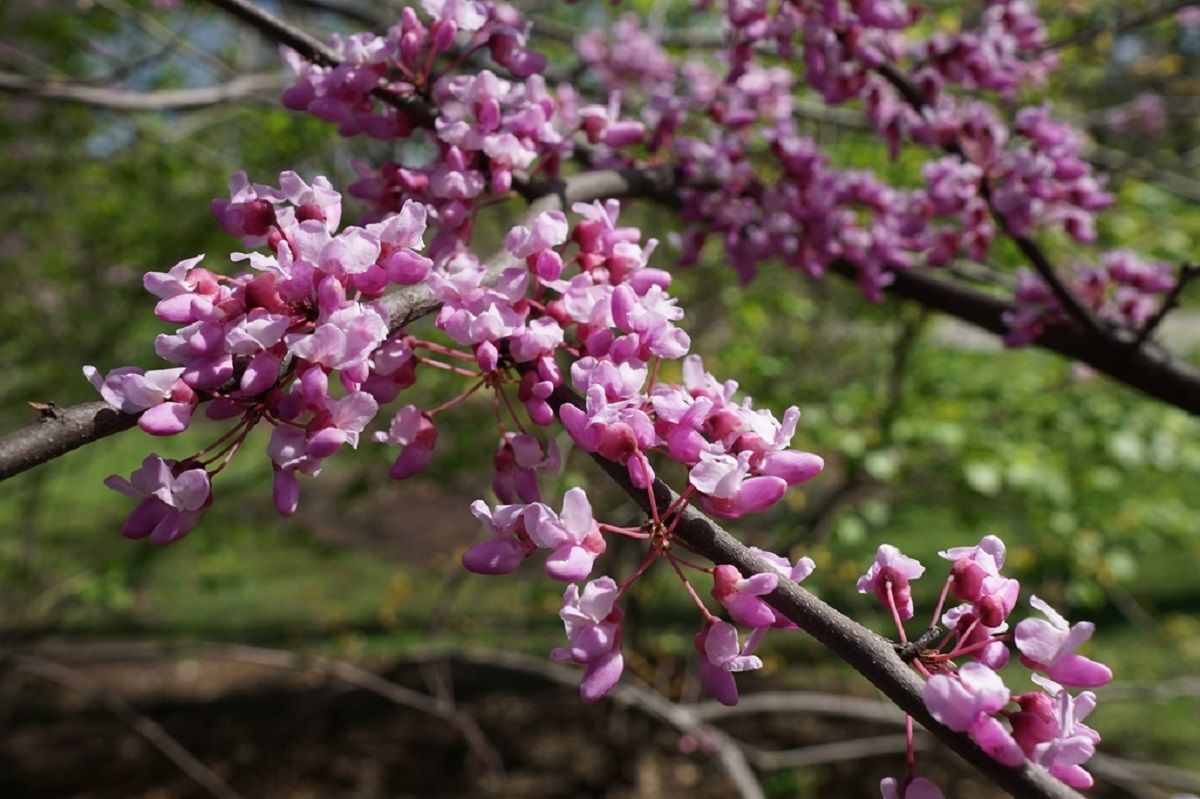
588,291
488,129
263,345
303,343
575,325
1125,291
401,62
971,697
999,176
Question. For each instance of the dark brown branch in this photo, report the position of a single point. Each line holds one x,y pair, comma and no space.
125,100
1151,371
59,431
344,10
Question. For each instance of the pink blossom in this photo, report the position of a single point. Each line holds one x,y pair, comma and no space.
740,595
722,658
518,459
1049,646
509,545
573,535
414,431
728,489
171,498
965,701
593,626
889,574
163,399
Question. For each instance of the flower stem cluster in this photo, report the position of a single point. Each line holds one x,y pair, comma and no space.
970,696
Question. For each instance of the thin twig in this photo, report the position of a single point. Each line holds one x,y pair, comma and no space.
838,751
632,694
145,726
124,100
370,681
1122,24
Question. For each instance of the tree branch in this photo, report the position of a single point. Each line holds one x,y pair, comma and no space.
59,431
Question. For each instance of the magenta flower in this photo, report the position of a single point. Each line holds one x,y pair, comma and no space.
517,461
161,396
965,701
593,626
573,536
172,497
509,545
620,431
975,634
547,230
187,294
916,788
728,490
414,431
784,568
976,578
722,658
1051,732
345,341
974,565
740,595
1049,647
341,423
889,575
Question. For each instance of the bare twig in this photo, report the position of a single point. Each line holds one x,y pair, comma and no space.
124,100
145,726
166,37
1156,773
1122,24
369,681
838,751
631,694
851,707
341,670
